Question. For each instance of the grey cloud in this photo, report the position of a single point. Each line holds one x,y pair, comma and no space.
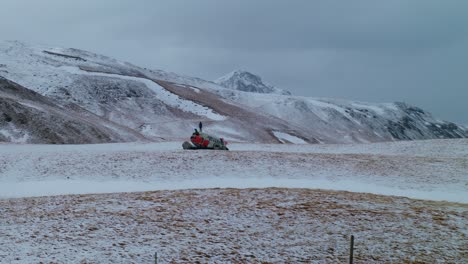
414,51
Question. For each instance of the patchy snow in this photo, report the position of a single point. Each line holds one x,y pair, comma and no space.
14,134
163,94
375,108
287,138
324,104
194,89
231,226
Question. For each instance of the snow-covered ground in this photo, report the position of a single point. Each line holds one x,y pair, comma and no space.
231,226
295,223
432,170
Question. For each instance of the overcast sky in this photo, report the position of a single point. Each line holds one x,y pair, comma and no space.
414,51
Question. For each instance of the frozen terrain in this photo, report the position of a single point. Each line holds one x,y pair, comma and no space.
187,218
434,170
231,226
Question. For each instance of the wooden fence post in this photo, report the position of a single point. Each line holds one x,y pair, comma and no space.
351,250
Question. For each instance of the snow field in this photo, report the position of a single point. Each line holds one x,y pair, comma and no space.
190,219
433,173
231,226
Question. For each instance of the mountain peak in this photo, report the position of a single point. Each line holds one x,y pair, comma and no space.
243,80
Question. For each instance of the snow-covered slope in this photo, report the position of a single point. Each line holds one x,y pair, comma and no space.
131,96
247,82
161,105
340,121
26,116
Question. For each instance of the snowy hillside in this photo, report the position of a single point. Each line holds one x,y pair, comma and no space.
27,116
130,96
141,104
340,121
247,82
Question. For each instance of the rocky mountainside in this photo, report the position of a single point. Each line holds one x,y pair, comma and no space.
114,101
154,104
26,116
340,121
247,82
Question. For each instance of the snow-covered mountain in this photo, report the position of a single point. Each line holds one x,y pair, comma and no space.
26,116
340,121
127,103
247,82
155,104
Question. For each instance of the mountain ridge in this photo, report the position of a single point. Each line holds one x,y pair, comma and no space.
157,105
245,81
28,117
